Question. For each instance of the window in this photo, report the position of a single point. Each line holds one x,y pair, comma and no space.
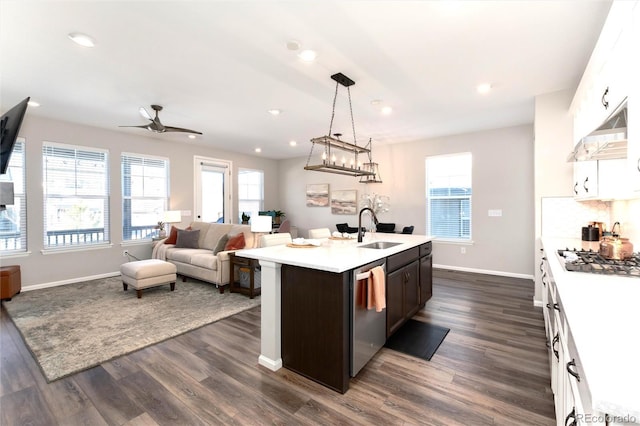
250,192
145,194
76,195
449,196
13,220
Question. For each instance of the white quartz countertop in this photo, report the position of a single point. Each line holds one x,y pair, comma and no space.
336,255
603,314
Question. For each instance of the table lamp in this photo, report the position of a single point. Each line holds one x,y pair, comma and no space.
260,225
172,216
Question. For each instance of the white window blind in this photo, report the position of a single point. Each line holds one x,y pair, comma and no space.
250,192
13,220
145,194
449,191
76,195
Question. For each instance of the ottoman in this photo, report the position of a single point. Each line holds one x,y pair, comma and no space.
147,273
10,282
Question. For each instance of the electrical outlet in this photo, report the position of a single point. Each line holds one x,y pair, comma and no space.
463,250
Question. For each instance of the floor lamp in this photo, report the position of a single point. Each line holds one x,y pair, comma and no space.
259,226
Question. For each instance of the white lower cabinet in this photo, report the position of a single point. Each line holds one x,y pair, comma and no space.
572,397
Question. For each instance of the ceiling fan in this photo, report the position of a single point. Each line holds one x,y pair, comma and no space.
156,126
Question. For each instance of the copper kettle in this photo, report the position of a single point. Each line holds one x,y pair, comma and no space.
616,247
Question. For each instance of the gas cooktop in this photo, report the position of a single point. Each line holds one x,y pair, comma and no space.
591,261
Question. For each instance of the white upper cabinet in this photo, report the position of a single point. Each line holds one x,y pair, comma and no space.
585,177
633,130
611,78
606,80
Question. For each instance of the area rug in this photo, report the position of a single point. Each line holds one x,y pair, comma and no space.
77,326
418,339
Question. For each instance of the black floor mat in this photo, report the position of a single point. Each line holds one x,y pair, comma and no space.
417,338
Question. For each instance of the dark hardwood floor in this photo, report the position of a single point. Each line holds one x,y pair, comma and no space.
492,368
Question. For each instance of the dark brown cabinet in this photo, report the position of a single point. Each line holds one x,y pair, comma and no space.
316,325
426,273
403,288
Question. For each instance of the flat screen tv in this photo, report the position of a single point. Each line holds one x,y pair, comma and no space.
9,128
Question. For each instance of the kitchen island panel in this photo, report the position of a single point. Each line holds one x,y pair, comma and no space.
315,325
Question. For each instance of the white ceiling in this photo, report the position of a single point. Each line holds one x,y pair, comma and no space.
218,66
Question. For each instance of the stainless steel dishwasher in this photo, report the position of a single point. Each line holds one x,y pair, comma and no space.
368,327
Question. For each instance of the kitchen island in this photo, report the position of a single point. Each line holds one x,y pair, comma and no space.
326,265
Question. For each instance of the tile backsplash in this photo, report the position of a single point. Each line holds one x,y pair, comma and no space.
627,212
564,217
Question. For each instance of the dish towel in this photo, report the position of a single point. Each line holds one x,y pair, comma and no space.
377,289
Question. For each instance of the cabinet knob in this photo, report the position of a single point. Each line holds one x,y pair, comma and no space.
605,103
575,188
584,185
556,339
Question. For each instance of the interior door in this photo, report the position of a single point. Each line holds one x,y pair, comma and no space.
213,190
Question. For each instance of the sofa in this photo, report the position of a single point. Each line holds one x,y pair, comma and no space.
199,250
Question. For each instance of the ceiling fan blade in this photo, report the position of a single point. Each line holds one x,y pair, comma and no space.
145,113
180,129
144,126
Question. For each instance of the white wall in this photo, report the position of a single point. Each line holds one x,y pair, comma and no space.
553,175
38,269
502,179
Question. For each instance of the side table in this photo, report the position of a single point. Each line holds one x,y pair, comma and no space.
239,268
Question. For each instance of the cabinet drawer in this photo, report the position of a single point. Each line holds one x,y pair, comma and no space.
398,260
425,249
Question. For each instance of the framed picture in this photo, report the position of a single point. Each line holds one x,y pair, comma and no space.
344,201
318,195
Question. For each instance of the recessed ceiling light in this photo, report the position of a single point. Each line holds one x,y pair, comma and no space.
307,55
33,104
386,110
293,143
191,136
484,88
258,149
275,111
82,39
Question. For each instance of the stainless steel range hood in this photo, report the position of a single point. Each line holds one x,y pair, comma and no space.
607,142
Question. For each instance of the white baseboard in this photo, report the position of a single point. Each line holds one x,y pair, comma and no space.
485,271
70,281
273,365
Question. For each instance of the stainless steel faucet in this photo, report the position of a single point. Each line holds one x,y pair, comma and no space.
375,220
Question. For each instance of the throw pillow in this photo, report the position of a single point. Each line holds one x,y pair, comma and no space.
187,239
222,242
173,235
235,243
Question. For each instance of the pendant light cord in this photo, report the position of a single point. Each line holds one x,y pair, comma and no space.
353,124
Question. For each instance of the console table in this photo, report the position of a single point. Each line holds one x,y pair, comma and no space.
237,267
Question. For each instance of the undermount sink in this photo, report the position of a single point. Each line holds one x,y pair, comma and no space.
380,245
